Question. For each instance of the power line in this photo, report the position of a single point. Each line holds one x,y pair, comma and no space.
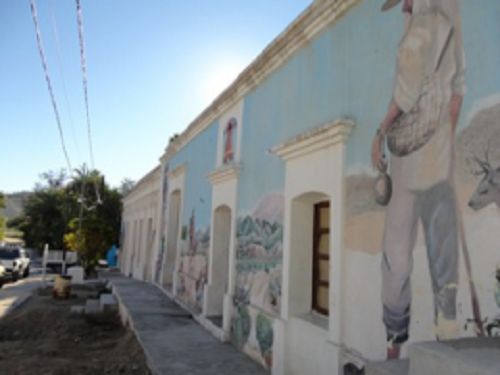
47,79
83,61
84,78
55,32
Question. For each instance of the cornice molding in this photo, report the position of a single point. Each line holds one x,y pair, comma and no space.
312,21
224,173
314,140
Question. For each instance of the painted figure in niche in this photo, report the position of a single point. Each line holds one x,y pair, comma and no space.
419,128
228,140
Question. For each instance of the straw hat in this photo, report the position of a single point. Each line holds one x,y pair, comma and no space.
390,4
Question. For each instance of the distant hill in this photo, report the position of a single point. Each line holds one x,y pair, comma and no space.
14,204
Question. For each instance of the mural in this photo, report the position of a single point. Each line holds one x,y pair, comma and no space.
193,264
433,237
258,277
259,254
419,129
252,332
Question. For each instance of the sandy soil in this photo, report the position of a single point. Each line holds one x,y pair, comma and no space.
43,337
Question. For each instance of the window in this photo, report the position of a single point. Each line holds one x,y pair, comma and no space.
321,257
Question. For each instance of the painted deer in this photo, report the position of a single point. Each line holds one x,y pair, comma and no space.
488,190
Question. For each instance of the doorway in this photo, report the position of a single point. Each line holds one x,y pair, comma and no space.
220,264
172,239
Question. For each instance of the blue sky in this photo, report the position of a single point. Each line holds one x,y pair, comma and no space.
152,67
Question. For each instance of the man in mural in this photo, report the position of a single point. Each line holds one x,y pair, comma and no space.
430,57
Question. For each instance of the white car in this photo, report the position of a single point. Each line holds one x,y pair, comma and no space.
3,275
15,261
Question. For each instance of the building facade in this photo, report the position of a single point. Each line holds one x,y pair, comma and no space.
139,227
275,223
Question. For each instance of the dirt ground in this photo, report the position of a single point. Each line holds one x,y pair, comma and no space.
43,337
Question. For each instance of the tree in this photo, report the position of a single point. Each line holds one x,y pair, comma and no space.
44,219
52,180
97,226
81,214
126,186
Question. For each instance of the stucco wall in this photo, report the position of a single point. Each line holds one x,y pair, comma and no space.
347,71
199,157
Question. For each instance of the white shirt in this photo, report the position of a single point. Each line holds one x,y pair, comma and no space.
429,41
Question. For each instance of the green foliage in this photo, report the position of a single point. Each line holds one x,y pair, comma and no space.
54,215
241,325
126,186
44,219
99,227
265,335
2,228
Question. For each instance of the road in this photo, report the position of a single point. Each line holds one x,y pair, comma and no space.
13,294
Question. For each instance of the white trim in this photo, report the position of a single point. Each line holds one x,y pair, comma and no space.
224,182
224,173
177,171
321,149
314,140
176,182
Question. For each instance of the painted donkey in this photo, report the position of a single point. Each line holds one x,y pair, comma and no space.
488,190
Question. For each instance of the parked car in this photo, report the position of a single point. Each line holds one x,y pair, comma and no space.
3,275
16,262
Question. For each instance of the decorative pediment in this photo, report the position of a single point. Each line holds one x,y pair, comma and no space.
314,140
224,173
177,171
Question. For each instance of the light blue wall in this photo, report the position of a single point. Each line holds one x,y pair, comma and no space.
199,157
329,79
348,72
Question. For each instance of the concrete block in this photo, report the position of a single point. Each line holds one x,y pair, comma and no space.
394,367
77,309
92,307
107,302
470,356
84,294
77,274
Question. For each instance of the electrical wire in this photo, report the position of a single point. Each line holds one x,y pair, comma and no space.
79,18
55,32
49,84
83,60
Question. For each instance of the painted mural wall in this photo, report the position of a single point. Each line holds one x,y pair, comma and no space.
404,258
257,294
440,134
348,72
199,158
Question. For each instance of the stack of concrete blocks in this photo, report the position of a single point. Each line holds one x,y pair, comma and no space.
105,304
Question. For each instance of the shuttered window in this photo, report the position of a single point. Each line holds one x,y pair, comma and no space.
321,257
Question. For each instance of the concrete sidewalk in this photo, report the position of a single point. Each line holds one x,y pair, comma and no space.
173,342
13,295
